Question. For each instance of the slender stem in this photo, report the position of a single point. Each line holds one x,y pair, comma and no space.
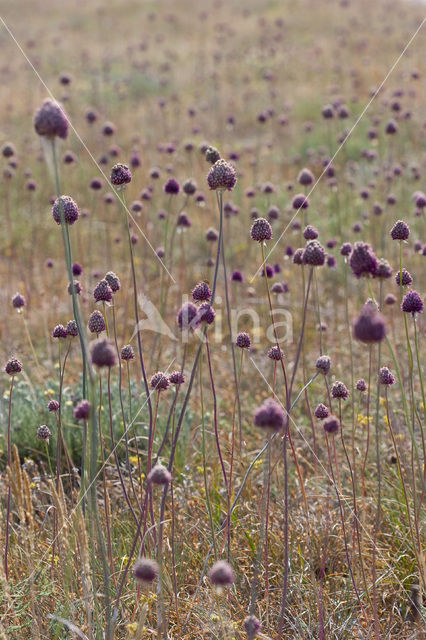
9,462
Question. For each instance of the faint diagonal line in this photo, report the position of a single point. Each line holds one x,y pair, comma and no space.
80,139
346,501
357,121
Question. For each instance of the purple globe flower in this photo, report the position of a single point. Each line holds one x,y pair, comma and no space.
72,329
412,303
331,424
275,353
75,286
201,292
314,254
370,325
187,316
77,269
59,332
145,570
172,187
13,366
189,187
222,176
300,201
159,381
53,406
323,364
96,322
103,353
82,410
206,313
176,377
310,233
120,175
50,120
363,261
321,412
261,230
400,231
69,209
127,353
384,270
243,340
386,377
212,235
252,626
339,390
44,433
102,292
406,279
361,385
305,177
221,574
18,301
212,155
270,415
298,256
113,280
390,299
159,475
237,276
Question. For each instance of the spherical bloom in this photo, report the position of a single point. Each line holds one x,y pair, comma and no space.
331,262
120,174
18,301
8,150
400,231
386,377
212,155
221,574
108,129
13,366
96,322
59,332
314,254
222,176
243,340
69,209
50,120
270,415
211,235
159,381
261,230
277,287
176,377
77,269
82,410
305,177
183,220
252,626
96,184
53,406
273,213
189,187
321,412
390,299
127,353
327,112
102,292
237,276
370,325
298,256
345,249
339,390
187,316
363,261
269,271
331,424
300,201
206,313
75,286
391,127
412,303
406,280
361,385
275,353
43,432
113,280
72,329
103,353
172,187
310,233
145,570
384,270
159,475
201,292
323,364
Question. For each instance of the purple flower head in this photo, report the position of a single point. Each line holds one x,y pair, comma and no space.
102,292
327,112
201,292
13,366
310,233
277,287
406,280
243,340
321,412
176,377
75,286
113,280
269,271
222,176
390,299
159,475
331,262
273,213
77,269
386,377
345,249
103,353
300,201
50,120
212,235
120,175
159,381
189,187
82,410
43,432
363,261
252,626
72,329
8,150
206,313
53,406
298,256
96,184
400,231
305,177
275,353
412,303
108,129
59,332
323,364
331,424
18,301
237,276
339,390
270,415
221,574
370,325
127,353
96,322
384,270
183,220
212,155
172,187
391,127
145,571
261,230
187,316
314,254
66,206
361,385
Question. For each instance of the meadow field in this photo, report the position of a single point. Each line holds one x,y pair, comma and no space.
212,249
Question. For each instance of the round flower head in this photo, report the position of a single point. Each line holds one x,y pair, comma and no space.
314,254
323,364
103,353
75,286
300,201
277,287
176,377
243,340
172,187
212,235
77,269
298,256
120,175
275,353
252,626
391,127
327,112
127,353
361,385
53,406
43,432
159,381
305,177
183,220
384,270
59,332
321,412
221,176
206,313
145,570
50,120
187,316
331,424
412,303
96,322
261,230
8,150
68,207
82,410
221,574
96,184
13,366
400,231
159,475
270,415
102,292
390,299
363,261
189,187
18,301
339,390
72,329
406,279
212,155
113,281
237,276
201,292
310,233
386,377
370,325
